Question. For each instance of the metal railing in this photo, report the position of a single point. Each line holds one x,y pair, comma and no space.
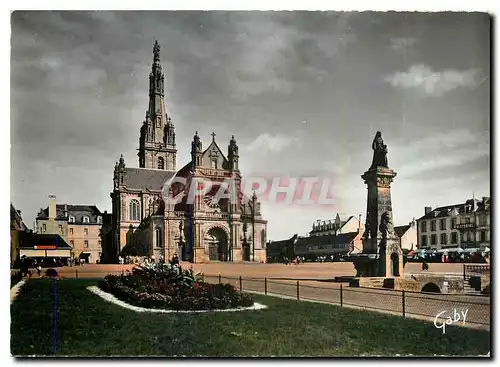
475,270
403,303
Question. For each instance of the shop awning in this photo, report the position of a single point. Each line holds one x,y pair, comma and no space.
472,250
44,253
453,249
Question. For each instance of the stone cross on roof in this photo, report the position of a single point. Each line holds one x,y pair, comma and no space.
213,136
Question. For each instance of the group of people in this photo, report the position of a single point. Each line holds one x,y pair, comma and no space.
26,263
147,260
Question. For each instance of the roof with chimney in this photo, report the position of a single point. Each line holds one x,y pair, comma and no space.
475,205
65,211
16,220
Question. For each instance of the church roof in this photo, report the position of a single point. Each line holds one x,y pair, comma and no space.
146,178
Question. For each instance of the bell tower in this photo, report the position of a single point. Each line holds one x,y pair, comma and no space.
157,148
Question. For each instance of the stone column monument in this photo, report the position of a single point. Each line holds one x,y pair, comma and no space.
382,255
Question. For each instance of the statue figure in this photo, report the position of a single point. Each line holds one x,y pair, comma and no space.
379,152
385,221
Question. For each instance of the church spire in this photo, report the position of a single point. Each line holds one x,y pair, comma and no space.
157,148
156,82
156,52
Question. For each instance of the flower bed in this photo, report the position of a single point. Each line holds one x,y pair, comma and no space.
165,286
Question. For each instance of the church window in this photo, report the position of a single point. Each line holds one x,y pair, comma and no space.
161,163
158,237
134,210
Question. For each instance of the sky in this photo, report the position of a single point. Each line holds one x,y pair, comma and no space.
303,92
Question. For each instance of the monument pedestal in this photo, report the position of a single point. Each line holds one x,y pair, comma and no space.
382,255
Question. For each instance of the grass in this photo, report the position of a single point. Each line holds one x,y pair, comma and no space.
89,326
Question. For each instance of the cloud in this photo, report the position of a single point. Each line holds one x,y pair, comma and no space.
402,44
441,151
270,143
434,83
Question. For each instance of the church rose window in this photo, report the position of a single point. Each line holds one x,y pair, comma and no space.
134,210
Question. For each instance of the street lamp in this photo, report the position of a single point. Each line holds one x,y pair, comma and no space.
181,240
245,239
254,199
230,222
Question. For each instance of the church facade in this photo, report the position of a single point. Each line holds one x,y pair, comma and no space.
203,230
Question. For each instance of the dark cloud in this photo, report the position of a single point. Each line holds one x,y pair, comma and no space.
303,92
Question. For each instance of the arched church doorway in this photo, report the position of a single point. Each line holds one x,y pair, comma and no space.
246,252
395,265
218,249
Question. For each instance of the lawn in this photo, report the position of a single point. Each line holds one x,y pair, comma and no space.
90,326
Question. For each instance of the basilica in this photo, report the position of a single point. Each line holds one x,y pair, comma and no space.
145,224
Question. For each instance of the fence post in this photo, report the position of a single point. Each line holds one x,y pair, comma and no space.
76,273
298,298
464,271
241,284
265,286
341,296
404,309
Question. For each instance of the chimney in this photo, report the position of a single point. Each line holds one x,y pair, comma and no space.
52,206
428,209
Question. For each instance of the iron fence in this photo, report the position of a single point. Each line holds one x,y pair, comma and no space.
475,270
403,303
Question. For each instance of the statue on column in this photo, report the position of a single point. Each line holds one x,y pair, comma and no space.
379,152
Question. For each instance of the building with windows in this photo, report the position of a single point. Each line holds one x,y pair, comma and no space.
408,237
333,246
206,230
79,225
17,227
465,225
279,251
336,226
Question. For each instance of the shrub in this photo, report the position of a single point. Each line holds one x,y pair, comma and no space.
51,273
169,286
15,278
